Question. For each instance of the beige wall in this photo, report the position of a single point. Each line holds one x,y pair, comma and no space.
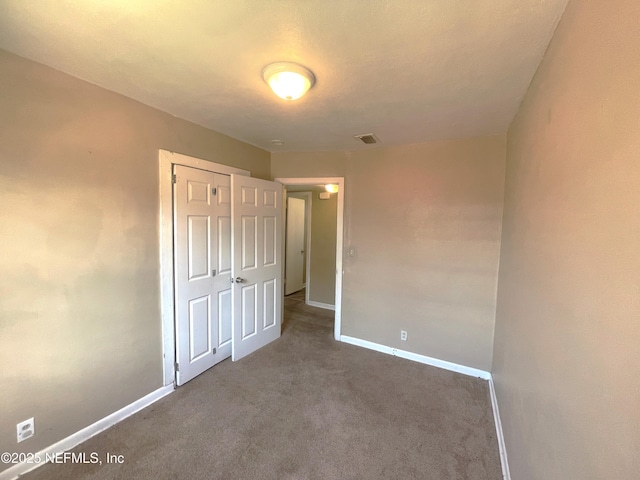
322,278
425,221
79,287
567,346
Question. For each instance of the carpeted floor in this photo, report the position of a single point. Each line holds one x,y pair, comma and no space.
305,407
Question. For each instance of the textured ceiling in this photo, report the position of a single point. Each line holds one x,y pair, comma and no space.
407,70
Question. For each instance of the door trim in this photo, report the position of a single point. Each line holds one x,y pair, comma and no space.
166,160
337,327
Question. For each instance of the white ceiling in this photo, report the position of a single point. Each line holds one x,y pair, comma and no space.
407,70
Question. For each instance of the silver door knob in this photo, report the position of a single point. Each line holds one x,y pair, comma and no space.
239,279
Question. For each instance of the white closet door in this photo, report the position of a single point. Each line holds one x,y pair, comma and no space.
202,236
257,263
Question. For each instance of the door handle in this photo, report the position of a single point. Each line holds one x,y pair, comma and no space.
239,280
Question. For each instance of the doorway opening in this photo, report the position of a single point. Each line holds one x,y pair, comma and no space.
316,265
297,240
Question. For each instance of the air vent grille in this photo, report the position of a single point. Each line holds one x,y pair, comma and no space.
367,138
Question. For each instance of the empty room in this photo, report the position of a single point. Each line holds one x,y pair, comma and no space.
460,298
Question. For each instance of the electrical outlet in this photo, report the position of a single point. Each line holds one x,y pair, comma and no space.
403,335
26,429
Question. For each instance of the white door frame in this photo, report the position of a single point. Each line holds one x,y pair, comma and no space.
307,234
166,160
339,237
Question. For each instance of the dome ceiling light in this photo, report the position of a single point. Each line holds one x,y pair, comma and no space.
288,80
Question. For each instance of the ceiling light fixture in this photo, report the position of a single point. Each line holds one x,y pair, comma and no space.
331,188
288,80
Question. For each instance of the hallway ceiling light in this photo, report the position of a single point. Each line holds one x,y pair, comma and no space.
288,80
331,188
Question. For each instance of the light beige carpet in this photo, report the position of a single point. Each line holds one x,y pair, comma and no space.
305,407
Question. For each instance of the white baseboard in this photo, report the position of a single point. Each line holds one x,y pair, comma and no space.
416,357
327,306
86,433
506,475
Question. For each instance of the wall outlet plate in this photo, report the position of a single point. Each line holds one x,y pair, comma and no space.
403,335
26,429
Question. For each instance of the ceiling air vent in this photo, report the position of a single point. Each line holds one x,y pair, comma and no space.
367,138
